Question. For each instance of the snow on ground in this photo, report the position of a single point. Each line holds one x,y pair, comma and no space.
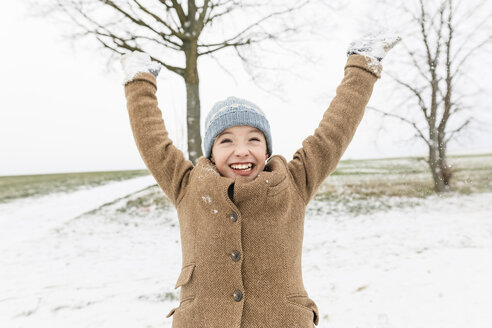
424,266
64,265
37,215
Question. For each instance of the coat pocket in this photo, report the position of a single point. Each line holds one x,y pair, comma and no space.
304,302
185,275
171,312
181,306
187,292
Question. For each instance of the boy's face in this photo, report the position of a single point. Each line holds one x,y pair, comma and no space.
240,150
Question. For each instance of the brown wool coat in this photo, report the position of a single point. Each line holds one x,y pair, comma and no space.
242,256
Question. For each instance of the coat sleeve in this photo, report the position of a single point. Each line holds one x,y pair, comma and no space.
165,162
321,152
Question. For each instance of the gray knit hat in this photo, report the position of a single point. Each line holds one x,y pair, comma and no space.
232,112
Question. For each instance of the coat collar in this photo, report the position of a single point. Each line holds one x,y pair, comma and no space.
244,189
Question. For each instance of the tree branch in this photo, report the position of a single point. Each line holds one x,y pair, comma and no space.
236,40
179,10
453,132
470,53
416,63
201,18
417,93
403,119
158,19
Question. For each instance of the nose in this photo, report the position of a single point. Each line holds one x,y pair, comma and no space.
241,150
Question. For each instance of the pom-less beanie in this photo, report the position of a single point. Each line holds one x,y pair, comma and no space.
233,112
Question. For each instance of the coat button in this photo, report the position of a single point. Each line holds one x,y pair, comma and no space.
233,216
236,256
238,295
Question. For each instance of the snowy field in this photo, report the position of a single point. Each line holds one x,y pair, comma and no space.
86,259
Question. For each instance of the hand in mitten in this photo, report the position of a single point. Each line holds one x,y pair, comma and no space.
137,62
374,45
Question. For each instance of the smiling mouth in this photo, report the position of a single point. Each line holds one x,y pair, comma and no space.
242,167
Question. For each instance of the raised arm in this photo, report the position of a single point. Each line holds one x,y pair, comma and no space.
321,152
165,162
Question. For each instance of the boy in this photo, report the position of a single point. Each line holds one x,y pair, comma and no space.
241,219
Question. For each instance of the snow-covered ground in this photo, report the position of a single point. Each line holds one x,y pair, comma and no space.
425,266
67,262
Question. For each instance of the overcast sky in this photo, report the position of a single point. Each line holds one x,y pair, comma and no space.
63,110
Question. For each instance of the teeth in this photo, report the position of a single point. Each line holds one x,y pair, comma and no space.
241,166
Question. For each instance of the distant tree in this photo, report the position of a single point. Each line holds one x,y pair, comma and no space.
177,33
440,39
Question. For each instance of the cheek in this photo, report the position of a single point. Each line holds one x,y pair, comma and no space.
219,155
262,149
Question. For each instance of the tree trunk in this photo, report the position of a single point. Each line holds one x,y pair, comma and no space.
192,101
435,164
443,164
193,121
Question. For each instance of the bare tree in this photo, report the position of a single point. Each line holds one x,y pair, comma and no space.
445,35
177,33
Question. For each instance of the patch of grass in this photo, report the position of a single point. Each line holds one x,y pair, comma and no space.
153,198
161,297
150,203
22,186
486,155
361,186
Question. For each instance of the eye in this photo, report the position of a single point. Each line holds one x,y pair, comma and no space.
254,139
225,140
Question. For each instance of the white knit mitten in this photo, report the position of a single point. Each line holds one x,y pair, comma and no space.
374,45
138,62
